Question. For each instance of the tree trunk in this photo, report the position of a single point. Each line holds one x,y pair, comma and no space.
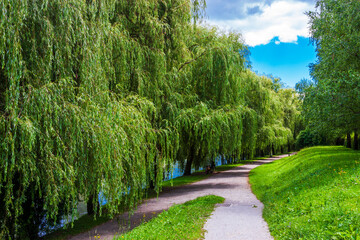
153,181
339,141
356,141
348,140
33,214
90,205
289,146
189,161
187,171
268,150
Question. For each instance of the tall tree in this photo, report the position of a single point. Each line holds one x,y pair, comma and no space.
211,122
334,101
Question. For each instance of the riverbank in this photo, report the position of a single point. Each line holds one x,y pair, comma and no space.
223,184
86,222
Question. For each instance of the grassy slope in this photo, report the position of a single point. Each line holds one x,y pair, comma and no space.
312,195
183,221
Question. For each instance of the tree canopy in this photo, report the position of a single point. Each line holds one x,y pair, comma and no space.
332,103
99,98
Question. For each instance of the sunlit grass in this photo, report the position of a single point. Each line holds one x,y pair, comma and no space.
312,195
183,221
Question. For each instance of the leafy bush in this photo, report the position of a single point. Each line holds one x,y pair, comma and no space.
309,137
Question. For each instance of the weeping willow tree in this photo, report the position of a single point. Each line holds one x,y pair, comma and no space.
275,113
85,109
98,98
291,104
211,122
233,111
206,133
250,124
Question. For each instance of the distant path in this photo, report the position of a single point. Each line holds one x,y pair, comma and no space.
239,217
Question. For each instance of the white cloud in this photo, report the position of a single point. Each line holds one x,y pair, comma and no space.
283,19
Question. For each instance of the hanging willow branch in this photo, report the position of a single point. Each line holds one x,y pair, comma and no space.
192,60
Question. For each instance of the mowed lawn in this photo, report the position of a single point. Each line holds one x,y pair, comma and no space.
312,195
182,221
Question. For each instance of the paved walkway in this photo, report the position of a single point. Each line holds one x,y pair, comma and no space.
239,217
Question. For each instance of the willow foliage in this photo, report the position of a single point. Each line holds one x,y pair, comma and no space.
70,122
212,124
250,127
275,113
99,98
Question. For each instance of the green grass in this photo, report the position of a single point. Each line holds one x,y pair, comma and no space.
83,224
312,195
184,221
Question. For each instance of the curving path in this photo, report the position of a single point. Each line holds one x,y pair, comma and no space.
239,217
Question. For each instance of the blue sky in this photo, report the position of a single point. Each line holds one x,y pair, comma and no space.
289,61
276,32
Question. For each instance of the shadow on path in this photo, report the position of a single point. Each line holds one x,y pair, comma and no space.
230,184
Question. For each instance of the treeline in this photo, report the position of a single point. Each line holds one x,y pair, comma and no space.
332,100
99,98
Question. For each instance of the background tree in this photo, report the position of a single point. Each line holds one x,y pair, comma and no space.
333,103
